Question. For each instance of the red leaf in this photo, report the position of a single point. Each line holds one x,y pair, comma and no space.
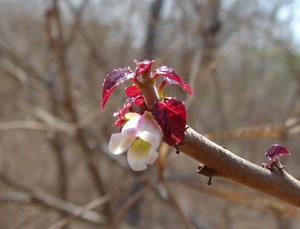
135,95
112,80
171,77
274,153
171,116
143,67
132,91
120,121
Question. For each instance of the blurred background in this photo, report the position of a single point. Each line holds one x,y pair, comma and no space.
240,57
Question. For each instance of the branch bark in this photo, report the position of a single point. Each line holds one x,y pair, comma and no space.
27,195
57,45
151,36
226,164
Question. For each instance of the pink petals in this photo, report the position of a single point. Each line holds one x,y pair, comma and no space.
141,136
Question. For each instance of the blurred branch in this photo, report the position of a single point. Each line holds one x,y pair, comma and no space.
78,14
164,193
29,196
249,133
290,127
130,202
90,206
26,125
14,57
260,203
54,30
151,35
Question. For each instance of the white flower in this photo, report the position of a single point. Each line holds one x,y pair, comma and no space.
142,135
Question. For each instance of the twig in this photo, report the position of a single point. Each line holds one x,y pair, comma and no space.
174,203
88,207
26,125
53,22
260,203
120,214
27,195
252,132
231,166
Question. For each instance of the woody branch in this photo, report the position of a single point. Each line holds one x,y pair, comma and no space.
226,164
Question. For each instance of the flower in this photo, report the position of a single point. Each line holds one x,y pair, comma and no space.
141,136
143,127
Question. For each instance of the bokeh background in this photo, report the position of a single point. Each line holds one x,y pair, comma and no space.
240,57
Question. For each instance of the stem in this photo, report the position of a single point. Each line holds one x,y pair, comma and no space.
226,164
149,91
231,166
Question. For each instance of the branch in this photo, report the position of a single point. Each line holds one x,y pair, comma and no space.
26,125
25,195
57,45
226,164
165,194
90,206
121,213
260,203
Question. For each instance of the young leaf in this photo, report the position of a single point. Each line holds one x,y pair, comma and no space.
112,80
170,77
143,67
171,116
276,151
135,95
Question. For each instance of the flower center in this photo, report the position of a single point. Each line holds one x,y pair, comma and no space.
142,147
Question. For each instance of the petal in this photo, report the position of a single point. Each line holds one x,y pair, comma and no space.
152,156
120,142
131,126
149,130
138,154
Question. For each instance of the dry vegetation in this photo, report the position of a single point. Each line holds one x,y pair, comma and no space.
242,61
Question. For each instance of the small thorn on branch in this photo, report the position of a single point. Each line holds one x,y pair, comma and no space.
209,181
204,170
177,150
224,147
